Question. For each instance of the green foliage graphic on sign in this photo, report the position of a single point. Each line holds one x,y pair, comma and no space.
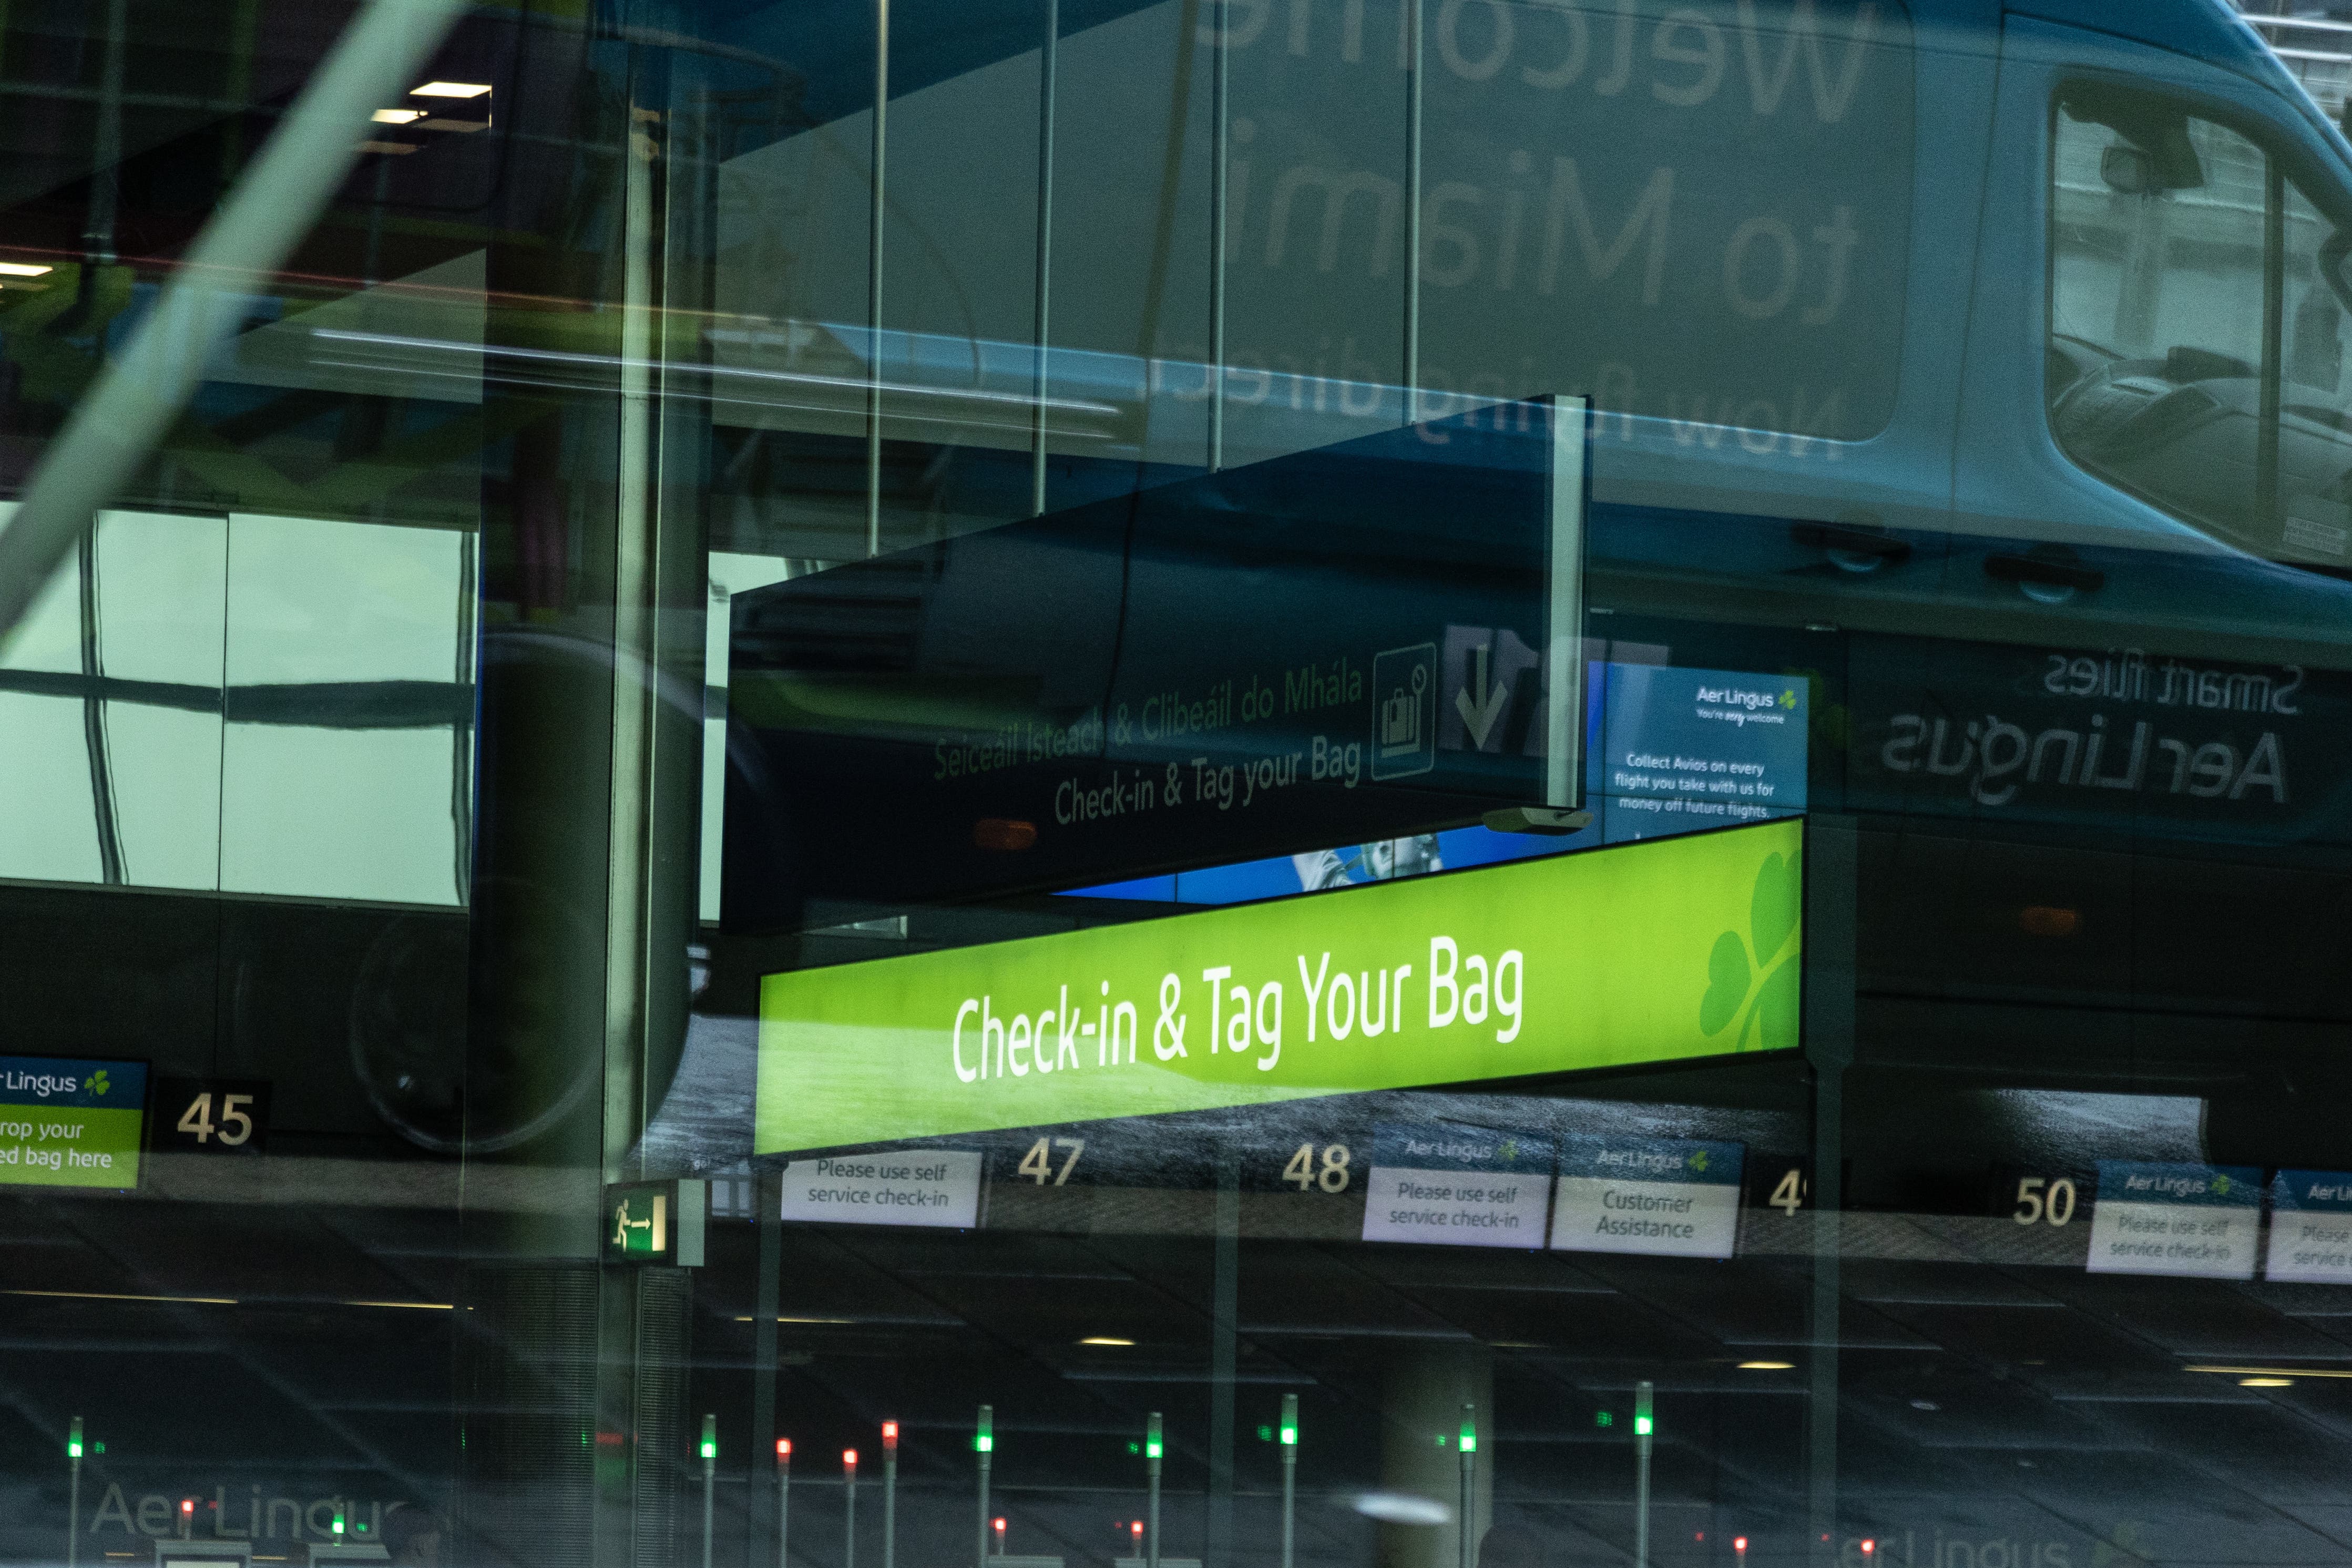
1606,958
1756,981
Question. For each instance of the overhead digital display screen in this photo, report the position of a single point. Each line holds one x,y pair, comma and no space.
1681,949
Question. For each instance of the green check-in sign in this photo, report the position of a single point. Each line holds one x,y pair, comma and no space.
1659,951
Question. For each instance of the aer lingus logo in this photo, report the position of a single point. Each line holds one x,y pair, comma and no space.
1753,985
97,1084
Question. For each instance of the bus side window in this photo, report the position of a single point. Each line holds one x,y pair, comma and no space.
2195,351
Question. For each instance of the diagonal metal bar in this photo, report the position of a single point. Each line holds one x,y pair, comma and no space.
115,427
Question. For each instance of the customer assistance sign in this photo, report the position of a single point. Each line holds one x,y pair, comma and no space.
1652,952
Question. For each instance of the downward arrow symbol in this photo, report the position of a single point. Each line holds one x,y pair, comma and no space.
1479,713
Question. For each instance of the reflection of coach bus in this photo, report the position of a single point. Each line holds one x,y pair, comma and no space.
1984,366
1977,370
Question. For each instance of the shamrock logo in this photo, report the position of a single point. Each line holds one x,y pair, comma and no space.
97,1084
1753,985
1699,1161
2221,1186
1789,697
1510,1150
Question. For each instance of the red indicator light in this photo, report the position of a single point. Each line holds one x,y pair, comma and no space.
849,1458
1004,835
1739,1543
783,1447
1868,1547
889,1434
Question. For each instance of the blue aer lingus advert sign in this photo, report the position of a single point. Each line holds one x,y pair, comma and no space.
71,1122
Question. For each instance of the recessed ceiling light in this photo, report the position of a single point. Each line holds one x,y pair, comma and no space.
396,116
2266,1383
1925,1404
22,269
1106,1339
1766,1366
450,90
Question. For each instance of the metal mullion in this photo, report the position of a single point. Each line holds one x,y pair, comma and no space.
1049,62
877,195
1219,155
2266,459
1413,130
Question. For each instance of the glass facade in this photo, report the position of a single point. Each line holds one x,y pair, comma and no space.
1175,784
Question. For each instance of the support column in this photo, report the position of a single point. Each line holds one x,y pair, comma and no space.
1831,877
1224,1356
1421,1423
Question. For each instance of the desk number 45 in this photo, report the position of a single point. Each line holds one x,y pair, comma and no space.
198,1119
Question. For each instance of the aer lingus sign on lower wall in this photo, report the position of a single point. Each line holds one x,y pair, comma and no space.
1650,952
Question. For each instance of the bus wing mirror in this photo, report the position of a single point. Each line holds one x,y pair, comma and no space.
2128,169
2335,266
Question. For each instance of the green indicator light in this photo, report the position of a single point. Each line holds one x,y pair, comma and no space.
1641,1426
1603,1418
1641,1409
339,1521
1135,1448
1265,1435
1469,1434
73,1440
984,1439
1290,1420
1151,1437
711,1436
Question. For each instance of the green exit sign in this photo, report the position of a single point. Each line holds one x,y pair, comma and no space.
655,1222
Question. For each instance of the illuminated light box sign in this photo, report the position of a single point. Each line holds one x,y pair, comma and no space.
1698,748
1669,1196
2311,1227
1366,640
2172,1218
657,1222
1680,949
71,1122
917,1187
1457,1186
